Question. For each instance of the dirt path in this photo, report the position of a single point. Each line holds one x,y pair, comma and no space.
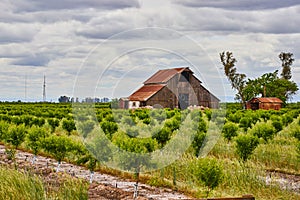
103,187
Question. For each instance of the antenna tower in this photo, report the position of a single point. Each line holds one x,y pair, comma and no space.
44,89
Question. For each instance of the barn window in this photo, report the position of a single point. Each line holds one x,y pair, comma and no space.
185,76
133,104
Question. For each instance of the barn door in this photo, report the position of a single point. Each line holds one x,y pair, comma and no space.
183,100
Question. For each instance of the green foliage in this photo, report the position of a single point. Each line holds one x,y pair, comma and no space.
208,114
263,130
268,85
86,127
16,135
245,145
245,122
68,125
287,61
58,146
53,123
230,130
298,149
207,172
109,128
237,80
163,135
277,123
198,142
296,132
287,119
3,130
35,138
16,185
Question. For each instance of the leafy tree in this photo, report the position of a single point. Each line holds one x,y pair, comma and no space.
198,141
277,123
208,172
58,147
163,136
287,61
53,123
68,125
3,130
35,138
263,130
230,130
245,122
63,99
237,80
108,127
16,135
86,127
245,145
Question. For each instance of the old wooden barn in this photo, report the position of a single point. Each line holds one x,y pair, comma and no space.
265,103
172,88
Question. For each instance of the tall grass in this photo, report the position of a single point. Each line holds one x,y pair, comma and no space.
26,186
17,185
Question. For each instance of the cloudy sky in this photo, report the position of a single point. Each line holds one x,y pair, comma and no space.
107,48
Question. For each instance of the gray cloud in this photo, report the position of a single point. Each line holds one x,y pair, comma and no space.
33,60
240,4
12,33
42,5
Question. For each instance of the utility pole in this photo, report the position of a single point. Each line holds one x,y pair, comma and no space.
44,89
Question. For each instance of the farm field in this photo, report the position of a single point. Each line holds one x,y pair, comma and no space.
257,152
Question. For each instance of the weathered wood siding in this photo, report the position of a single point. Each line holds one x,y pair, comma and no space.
197,94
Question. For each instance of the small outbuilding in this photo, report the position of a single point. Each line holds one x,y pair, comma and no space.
265,103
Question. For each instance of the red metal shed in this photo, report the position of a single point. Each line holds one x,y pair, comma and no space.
265,103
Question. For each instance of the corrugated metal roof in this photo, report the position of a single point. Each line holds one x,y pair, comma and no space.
267,100
162,76
145,92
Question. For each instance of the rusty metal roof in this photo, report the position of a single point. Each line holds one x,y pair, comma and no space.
145,92
162,76
267,100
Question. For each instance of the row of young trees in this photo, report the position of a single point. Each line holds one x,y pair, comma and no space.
250,128
267,85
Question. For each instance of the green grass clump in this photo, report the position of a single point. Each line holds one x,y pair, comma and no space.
26,186
18,185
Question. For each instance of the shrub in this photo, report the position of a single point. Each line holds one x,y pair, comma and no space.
58,146
207,172
296,132
3,129
263,130
198,141
230,130
16,135
108,127
245,145
86,127
68,125
53,123
35,138
245,122
163,135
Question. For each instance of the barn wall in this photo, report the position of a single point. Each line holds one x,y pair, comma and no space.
164,98
269,106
